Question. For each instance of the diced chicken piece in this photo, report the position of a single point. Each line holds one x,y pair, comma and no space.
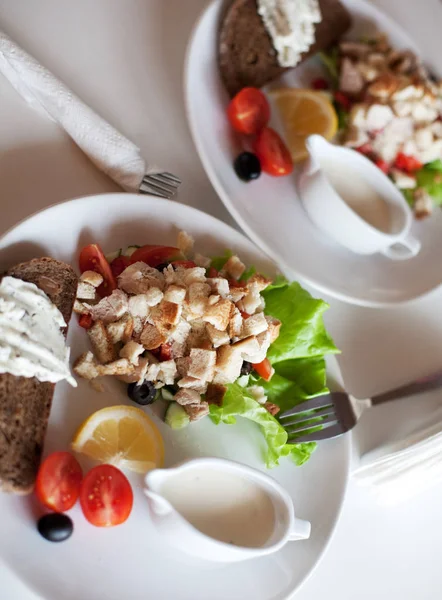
235,323
234,267
86,291
218,338
197,411
407,93
213,299
154,296
198,294
94,279
152,372
151,337
80,308
436,128
252,299
86,366
403,180
121,331
101,342
185,243
228,365
188,276
132,351
258,393
138,326
258,353
378,116
167,372
351,81
138,375
432,153
248,347
423,204
219,285
254,325
424,114
202,261
215,393
191,383
403,109
139,278
118,367
369,72
202,364
187,396
274,328
218,314
273,409
175,293
111,308
138,306
384,87
356,50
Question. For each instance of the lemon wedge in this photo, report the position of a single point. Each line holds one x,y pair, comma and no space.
123,436
303,113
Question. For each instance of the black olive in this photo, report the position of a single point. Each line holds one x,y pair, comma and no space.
246,368
142,394
55,527
247,166
162,266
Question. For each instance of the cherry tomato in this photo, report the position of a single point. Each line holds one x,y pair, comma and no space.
155,255
244,314
343,100
212,272
264,369
119,264
165,352
186,264
85,321
406,163
383,165
273,153
249,111
365,149
58,481
92,259
106,496
320,84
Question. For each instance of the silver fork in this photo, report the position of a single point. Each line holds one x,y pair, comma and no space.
338,412
164,185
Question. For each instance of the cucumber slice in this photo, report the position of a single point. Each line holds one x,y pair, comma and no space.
130,250
176,417
167,394
113,255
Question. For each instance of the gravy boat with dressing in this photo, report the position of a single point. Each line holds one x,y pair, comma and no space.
347,196
208,507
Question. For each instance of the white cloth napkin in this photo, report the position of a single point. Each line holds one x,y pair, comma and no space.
108,149
401,470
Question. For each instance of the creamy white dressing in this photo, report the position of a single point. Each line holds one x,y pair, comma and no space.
291,24
358,194
31,341
227,507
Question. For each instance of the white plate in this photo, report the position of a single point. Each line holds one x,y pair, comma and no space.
269,210
131,561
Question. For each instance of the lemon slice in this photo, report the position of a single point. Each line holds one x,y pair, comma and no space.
123,436
304,112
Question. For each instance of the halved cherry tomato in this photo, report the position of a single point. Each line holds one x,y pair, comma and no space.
58,481
165,352
320,84
235,283
383,165
155,255
186,264
343,100
248,111
85,321
273,154
106,496
92,259
212,272
264,369
244,314
119,264
406,163
365,149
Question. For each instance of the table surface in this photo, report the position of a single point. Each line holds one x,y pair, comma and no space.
125,59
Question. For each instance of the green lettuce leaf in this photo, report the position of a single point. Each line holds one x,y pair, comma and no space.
430,179
330,61
218,262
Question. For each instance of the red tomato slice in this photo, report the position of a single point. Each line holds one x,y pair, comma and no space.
264,369
85,321
155,255
106,496
273,154
92,259
249,111
119,264
212,272
186,264
406,163
58,481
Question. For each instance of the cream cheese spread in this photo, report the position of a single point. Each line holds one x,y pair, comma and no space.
32,343
291,25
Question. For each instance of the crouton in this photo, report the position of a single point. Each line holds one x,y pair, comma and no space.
202,364
273,409
235,323
121,331
80,308
198,337
167,314
185,243
138,325
111,308
215,393
219,285
138,375
151,337
86,291
202,261
187,396
139,278
154,296
169,275
218,315
152,372
263,340
228,365
238,292
175,293
132,351
274,328
261,306
91,277
254,325
261,282
167,372
138,306
247,347
197,411
252,299
189,276
101,342
178,338
118,367
86,366
198,294
182,365
213,299
234,267
218,338
192,383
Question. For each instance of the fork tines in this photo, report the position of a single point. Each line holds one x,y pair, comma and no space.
164,185
302,421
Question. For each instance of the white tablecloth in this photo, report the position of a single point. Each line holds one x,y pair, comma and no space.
125,57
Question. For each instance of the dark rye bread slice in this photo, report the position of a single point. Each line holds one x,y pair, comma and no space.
246,55
25,403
